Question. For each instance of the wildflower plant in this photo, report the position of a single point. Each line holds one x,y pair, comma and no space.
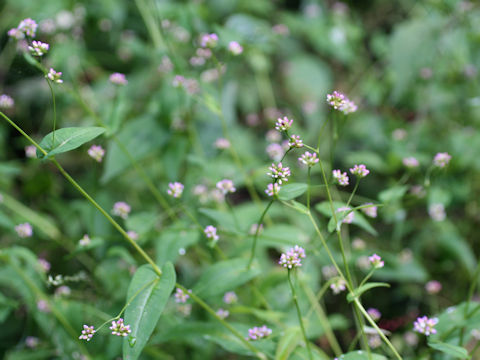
204,105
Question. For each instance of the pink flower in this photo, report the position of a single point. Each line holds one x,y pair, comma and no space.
6,102
360,171
230,297
341,178
433,287
96,152
235,48
24,230
55,76
410,162
119,328
121,209
424,325
209,40
283,124
272,189
181,296
376,261
257,333
292,258
309,159
87,333
118,79
175,189
226,186
38,48
28,27
441,159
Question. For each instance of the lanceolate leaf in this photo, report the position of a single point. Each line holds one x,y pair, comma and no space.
224,276
454,351
358,292
292,191
150,294
67,139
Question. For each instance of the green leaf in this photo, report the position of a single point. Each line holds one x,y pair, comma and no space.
297,206
150,294
67,139
455,351
287,343
360,355
392,194
292,191
141,137
359,291
224,276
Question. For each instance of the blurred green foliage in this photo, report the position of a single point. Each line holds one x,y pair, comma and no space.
411,67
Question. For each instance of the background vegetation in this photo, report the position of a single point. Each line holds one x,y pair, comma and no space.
410,66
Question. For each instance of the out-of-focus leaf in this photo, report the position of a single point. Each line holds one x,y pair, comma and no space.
292,191
224,276
456,352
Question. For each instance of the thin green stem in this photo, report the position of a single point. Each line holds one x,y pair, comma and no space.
299,314
152,27
315,306
255,237
115,224
369,275
212,312
308,186
353,192
375,326
54,111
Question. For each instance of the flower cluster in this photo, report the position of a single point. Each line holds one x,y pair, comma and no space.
279,172
293,257
235,48
283,124
257,333
211,233
308,159
272,189
433,287
87,333
119,328
96,152
374,314
295,141
31,151
349,216
424,325
222,313
226,186
222,143
26,27
230,297
360,171
338,285
441,159
121,209
6,102
376,261
24,230
118,79
38,48
370,211
275,151
410,162
181,296
437,212
340,102
175,189
85,240
341,178
55,76
209,40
